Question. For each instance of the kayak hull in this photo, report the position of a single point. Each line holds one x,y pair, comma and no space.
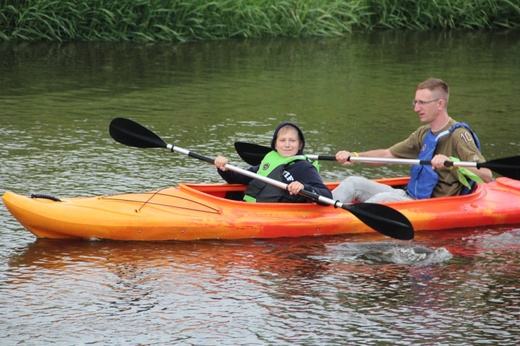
201,211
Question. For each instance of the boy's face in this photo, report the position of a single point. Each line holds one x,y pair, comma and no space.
287,142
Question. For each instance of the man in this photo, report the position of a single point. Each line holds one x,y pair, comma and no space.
438,140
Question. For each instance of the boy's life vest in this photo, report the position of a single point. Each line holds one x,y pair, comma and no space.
272,166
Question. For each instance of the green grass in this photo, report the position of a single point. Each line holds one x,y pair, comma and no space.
195,20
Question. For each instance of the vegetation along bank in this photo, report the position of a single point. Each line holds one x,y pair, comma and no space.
195,20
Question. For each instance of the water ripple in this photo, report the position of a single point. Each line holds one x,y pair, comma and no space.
396,253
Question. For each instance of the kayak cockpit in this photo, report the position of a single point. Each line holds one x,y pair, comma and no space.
236,191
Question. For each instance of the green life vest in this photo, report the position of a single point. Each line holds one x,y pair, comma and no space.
272,166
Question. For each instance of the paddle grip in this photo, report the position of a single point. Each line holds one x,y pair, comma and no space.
201,157
327,157
311,195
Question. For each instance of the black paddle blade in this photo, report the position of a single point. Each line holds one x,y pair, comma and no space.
383,219
251,153
128,132
507,166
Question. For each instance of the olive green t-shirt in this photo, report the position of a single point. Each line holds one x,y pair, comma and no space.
459,144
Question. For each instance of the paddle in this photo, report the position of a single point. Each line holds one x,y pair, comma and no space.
254,153
508,166
381,218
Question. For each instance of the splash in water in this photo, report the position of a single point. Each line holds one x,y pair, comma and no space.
395,253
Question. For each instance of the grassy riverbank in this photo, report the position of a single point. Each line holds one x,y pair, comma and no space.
193,20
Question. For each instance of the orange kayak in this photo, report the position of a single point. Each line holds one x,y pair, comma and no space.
208,211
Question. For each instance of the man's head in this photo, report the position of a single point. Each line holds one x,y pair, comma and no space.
431,100
437,87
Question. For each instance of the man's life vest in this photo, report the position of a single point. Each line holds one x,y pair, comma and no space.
423,178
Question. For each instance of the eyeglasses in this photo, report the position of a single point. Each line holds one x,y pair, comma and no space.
422,103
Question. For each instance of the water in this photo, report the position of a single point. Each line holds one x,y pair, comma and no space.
341,290
458,287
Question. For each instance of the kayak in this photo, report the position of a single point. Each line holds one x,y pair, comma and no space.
215,211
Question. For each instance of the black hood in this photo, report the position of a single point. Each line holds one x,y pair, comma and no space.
300,134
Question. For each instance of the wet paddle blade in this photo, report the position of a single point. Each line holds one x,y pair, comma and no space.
251,153
507,166
383,219
380,218
128,132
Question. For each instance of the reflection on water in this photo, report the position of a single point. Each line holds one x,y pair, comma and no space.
354,92
294,291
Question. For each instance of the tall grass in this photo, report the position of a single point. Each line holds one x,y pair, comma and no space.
192,20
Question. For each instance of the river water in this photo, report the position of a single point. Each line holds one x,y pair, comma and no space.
443,288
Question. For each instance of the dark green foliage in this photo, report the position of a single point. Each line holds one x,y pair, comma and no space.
192,20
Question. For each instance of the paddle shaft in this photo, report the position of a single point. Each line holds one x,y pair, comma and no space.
411,161
508,166
395,161
281,185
